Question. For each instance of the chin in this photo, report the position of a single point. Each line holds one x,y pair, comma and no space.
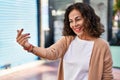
79,34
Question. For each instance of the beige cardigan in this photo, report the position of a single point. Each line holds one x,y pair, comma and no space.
100,67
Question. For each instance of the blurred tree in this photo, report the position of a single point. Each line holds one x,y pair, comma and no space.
116,10
116,6
116,13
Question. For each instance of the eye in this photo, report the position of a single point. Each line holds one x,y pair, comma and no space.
70,21
78,18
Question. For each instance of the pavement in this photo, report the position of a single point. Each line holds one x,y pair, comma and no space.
46,70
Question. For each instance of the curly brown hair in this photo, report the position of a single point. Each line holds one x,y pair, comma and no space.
91,23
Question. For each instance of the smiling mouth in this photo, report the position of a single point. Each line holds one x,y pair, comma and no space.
78,29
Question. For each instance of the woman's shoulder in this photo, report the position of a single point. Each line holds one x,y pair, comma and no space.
68,38
101,42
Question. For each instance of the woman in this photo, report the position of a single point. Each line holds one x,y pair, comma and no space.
84,55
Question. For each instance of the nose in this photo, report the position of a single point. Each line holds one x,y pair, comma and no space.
75,24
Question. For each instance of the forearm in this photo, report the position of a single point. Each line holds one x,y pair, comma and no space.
47,53
39,51
55,51
107,75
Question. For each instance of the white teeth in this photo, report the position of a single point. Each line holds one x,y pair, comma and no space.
76,29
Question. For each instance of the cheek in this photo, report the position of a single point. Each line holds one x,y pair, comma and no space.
71,26
81,23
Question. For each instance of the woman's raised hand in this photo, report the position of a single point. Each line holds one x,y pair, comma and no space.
22,39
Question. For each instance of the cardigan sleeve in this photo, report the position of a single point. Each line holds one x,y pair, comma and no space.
55,51
107,67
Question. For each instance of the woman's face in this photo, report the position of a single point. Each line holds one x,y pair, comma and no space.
76,22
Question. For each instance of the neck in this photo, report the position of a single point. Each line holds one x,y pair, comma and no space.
86,37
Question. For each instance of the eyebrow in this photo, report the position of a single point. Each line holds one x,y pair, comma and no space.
76,17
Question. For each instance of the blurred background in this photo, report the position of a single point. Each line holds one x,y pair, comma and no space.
43,19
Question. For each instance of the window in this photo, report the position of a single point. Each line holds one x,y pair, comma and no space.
16,14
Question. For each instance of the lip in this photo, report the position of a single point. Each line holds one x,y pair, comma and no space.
78,29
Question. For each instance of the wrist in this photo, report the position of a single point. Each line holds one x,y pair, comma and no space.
29,48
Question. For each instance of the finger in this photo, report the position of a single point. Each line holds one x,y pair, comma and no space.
21,42
22,36
19,32
27,37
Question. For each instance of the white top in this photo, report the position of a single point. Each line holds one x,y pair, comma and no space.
76,59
